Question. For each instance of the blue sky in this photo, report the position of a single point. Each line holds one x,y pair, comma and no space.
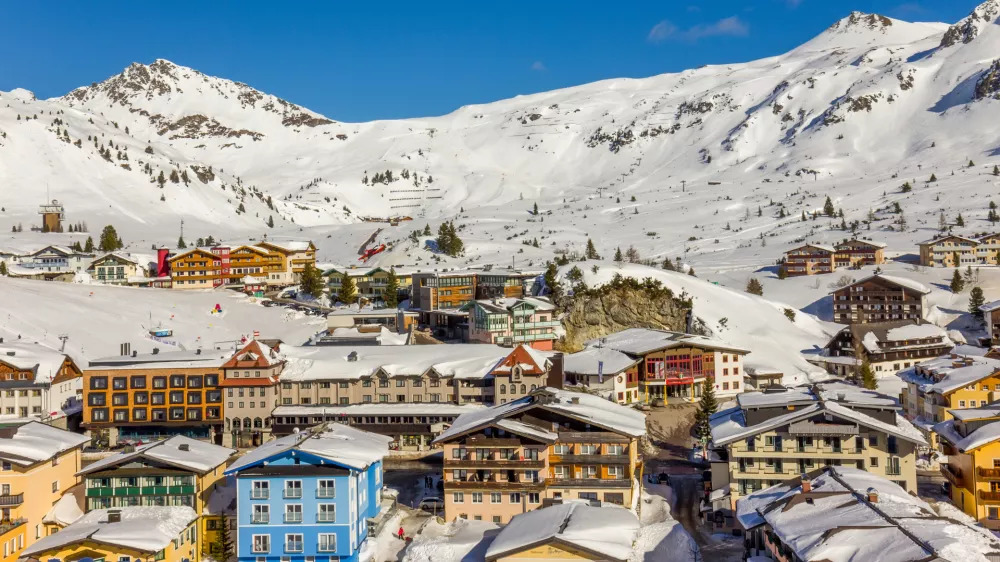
358,61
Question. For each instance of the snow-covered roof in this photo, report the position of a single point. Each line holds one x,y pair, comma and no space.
730,425
873,335
147,528
901,281
823,247
35,442
988,433
338,443
863,241
962,377
179,451
372,409
470,361
990,306
968,414
835,522
586,362
64,512
577,405
43,361
198,358
948,237
607,531
640,341
251,280
503,305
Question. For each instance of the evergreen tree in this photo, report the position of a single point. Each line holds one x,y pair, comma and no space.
187,180
957,284
241,208
803,216
996,170
707,407
180,243
270,221
828,209
391,295
109,241
552,283
427,230
754,287
959,221
976,299
971,163
3,268
161,179
88,246
199,242
174,176
906,187
618,255
867,376
668,265
348,293
311,281
782,272
591,251
933,178
535,210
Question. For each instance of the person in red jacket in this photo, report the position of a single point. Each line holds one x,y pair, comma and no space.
400,533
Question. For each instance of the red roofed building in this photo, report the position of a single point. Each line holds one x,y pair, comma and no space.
250,386
525,370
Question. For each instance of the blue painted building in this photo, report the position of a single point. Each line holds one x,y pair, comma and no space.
307,497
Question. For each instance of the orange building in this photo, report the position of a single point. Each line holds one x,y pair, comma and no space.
809,259
155,395
196,269
857,252
250,260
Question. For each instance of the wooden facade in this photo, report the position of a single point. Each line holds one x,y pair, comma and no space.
196,269
810,259
878,299
856,253
954,251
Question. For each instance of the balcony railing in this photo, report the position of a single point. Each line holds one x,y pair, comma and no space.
326,493
259,494
992,497
293,546
261,519
293,518
292,493
989,473
12,524
10,500
502,463
494,485
589,459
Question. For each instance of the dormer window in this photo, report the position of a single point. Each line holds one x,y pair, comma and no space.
515,372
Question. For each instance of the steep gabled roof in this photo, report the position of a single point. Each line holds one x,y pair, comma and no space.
256,354
178,451
340,444
900,281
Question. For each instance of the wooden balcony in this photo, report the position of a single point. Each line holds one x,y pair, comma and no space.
498,463
493,485
11,500
988,473
952,474
588,459
989,497
589,483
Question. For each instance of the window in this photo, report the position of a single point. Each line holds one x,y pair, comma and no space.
261,543
458,497
589,471
293,542
293,513
477,497
98,383
293,489
261,514
260,490
496,497
327,513
873,440
176,381
588,449
560,472
533,497
159,382
400,382
119,383
55,486
993,513
961,403
327,542
326,489
614,449
515,498
616,472
891,445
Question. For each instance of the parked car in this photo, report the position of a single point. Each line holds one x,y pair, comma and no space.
432,504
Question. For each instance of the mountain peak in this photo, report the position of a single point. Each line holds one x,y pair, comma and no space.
862,21
970,27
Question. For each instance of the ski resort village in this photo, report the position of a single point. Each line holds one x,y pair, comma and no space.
744,312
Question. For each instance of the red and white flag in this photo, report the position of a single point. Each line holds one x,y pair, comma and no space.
256,334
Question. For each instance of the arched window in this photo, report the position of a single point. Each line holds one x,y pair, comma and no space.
258,423
236,423
533,387
246,423
524,389
503,389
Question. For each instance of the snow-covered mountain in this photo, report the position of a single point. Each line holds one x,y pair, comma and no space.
866,105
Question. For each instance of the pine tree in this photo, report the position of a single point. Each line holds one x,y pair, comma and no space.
535,210
959,221
591,251
427,230
971,164
180,243
161,179
996,170
668,265
311,281
88,246
3,268
906,187
199,242
976,299
618,255
241,208
782,272
552,283
391,295
957,284
109,241
348,293
933,178
803,216
828,209
222,548
174,176
707,407
754,287
867,376
270,221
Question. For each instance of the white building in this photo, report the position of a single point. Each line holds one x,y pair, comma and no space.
38,382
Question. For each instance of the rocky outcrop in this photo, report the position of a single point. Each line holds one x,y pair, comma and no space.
988,85
597,313
968,29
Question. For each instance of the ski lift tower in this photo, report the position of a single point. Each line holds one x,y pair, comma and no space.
52,216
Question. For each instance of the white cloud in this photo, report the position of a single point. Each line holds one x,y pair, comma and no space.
538,66
732,26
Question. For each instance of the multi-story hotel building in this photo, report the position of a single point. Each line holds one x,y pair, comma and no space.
971,439
155,395
250,383
114,269
889,347
879,298
288,260
936,387
38,464
958,251
510,322
604,370
675,365
552,444
859,252
773,436
523,371
810,259
40,383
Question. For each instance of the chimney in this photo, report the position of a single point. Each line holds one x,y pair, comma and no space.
156,351
841,397
352,356
557,376
184,447
114,516
135,354
197,351
806,484
872,495
574,400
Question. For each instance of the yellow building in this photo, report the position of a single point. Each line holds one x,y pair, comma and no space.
179,471
196,269
38,464
949,382
567,531
287,261
164,534
972,442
